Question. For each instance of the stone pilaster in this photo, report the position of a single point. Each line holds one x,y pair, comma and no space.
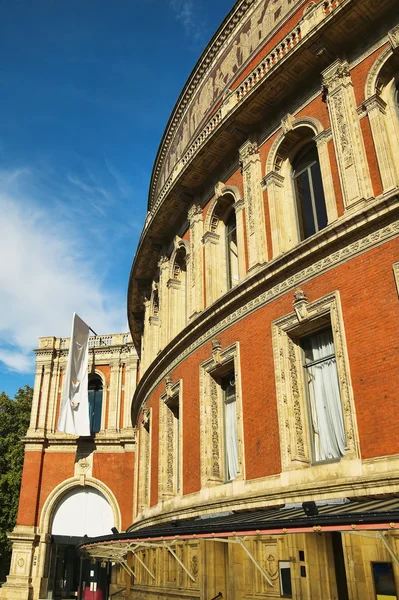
175,318
273,183
19,582
195,279
36,397
164,268
130,386
240,216
347,135
44,399
114,395
214,285
254,208
376,110
322,140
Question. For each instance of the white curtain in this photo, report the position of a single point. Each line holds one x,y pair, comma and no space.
231,439
325,401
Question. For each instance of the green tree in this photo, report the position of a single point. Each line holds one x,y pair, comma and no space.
14,422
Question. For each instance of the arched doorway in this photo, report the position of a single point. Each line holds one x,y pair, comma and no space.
81,512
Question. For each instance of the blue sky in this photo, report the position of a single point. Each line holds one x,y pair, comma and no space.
87,87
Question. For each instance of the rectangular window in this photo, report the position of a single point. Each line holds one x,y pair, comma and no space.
284,568
384,581
228,385
173,406
327,429
170,432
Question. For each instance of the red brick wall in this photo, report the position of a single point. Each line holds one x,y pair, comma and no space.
371,321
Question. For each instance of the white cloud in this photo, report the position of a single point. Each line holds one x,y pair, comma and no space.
185,14
46,273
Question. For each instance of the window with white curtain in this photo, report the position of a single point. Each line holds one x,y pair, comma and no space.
230,426
327,428
231,250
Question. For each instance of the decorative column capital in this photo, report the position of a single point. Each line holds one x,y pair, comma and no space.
272,178
336,75
393,37
194,212
323,137
373,103
248,153
163,262
287,123
210,238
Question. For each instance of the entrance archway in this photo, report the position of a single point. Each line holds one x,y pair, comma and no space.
81,512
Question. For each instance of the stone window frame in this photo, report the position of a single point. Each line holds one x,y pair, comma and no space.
178,286
382,111
226,198
292,403
145,446
278,179
213,467
395,267
167,474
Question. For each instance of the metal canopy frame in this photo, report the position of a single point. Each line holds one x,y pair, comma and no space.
116,550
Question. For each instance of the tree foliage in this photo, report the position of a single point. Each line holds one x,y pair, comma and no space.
14,422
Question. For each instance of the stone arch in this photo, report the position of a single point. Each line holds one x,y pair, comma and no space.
102,377
289,125
61,490
220,191
178,245
371,85
283,204
379,104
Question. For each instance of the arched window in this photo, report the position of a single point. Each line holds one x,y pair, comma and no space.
231,250
95,403
309,194
178,293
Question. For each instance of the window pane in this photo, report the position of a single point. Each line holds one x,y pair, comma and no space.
304,200
311,205
328,431
95,404
285,579
230,427
319,196
232,251
384,580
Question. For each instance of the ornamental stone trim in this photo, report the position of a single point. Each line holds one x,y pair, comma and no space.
261,278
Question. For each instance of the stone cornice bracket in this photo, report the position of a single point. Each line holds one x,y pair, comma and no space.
163,262
248,153
219,187
300,304
169,386
216,351
146,417
272,178
335,75
393,37
323,138
373,103
287,123
194,213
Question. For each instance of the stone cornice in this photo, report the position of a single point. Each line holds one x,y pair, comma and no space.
337,243
233,22
322,15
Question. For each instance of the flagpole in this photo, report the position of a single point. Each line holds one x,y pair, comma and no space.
92,330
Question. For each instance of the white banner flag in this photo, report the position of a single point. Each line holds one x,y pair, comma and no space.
74,413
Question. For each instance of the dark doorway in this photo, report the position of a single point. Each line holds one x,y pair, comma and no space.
70,576
339,564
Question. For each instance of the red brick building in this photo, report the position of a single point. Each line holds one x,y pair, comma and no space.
263,303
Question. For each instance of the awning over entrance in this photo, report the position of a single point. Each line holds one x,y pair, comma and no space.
374,516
